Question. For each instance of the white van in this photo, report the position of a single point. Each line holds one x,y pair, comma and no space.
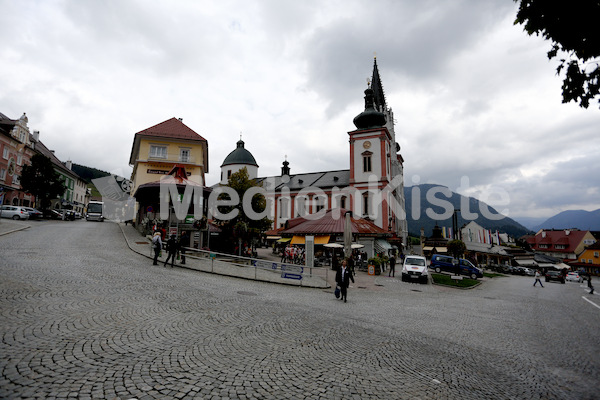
414,269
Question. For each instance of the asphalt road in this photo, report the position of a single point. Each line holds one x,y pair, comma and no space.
82,316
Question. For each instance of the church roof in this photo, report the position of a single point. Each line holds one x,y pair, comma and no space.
378,93
325,179
240,156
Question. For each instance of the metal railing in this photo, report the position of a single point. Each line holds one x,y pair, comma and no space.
257,269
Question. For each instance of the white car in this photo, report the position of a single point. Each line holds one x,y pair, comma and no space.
414,269
14,212
573,277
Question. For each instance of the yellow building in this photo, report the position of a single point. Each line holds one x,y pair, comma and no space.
588,260
160,148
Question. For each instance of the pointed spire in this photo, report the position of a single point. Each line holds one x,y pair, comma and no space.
378,93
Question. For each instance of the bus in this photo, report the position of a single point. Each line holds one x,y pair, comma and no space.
95,211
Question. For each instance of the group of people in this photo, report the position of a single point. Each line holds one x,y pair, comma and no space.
172,246
293,254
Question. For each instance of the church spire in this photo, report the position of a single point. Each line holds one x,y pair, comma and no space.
378,94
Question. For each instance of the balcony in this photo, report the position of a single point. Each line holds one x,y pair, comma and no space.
171,158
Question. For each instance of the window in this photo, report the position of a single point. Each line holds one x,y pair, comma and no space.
590,261
343,202
228,174
319,202
284,207
583,260
366,204
367,162
5,153
158,151
184,155
19,159
2,174
595,254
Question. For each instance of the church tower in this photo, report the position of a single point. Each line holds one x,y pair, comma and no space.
236,160
376,164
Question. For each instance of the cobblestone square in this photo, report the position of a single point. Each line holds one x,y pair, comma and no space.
82,316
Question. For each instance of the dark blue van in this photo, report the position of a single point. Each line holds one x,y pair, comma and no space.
445,263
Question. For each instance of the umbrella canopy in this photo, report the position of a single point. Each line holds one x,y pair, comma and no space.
334,245
357,246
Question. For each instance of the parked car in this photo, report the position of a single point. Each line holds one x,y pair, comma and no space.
414,269
555,276
573,277
52,214
529,272
33,213
444,263
14,212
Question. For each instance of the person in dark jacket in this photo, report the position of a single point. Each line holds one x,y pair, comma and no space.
184,241
392,272
343,278
171,250
590,284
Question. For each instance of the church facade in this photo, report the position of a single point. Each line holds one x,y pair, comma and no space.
372,188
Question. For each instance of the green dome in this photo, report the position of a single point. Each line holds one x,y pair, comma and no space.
240,156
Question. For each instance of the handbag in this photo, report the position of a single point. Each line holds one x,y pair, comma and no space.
337,292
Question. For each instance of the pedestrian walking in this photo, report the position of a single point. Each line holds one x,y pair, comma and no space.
343,277
157,246
590,284
537,278
392,272
184,241
171,250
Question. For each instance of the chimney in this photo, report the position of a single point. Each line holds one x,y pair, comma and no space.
543,234
36,136
180,119
69,164
567,232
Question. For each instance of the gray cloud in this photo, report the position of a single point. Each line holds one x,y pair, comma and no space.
472,94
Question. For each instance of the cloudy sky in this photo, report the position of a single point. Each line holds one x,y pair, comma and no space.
473,96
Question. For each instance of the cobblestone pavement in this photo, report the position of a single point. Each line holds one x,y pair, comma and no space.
82,316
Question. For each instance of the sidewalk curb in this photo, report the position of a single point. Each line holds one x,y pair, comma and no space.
15,230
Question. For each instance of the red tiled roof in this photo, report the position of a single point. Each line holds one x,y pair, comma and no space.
172,128
571,241
332,223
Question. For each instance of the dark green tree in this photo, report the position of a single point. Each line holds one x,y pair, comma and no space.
573,29
242,228
41,180
457,248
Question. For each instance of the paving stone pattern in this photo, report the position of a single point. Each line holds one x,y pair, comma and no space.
82,316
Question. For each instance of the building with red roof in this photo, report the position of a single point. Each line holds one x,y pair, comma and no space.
168,148
565,244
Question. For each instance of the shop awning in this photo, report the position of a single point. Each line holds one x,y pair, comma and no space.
297,240
427,248
382,246
284,240
273,237
442,249
322,239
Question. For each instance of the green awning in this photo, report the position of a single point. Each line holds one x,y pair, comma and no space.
284,240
